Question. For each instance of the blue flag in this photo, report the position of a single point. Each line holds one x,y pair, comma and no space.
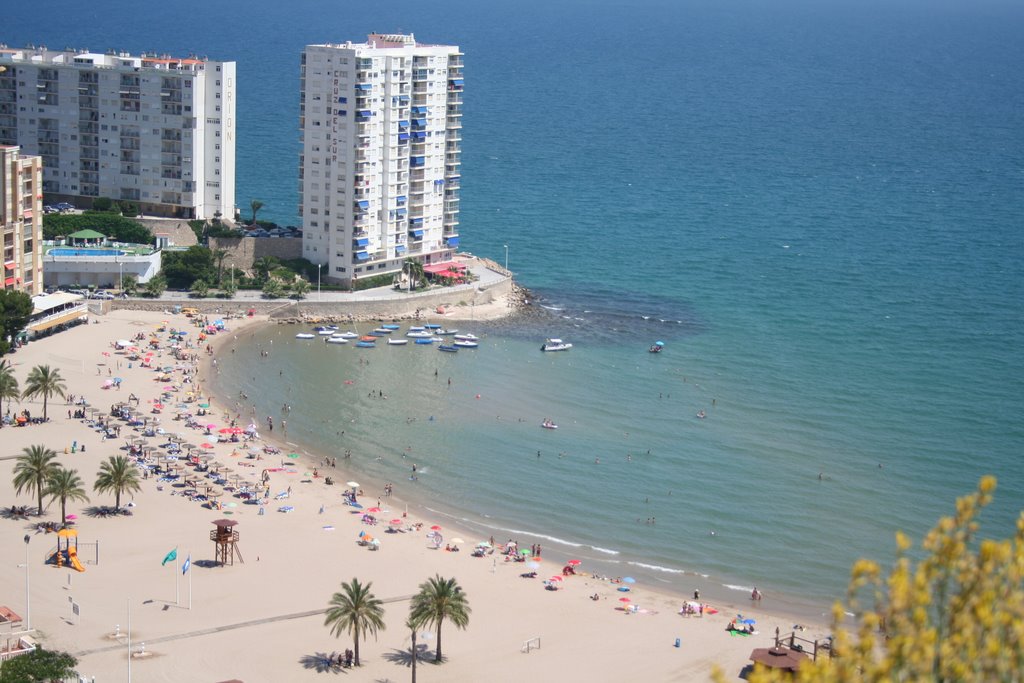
170,557
188,563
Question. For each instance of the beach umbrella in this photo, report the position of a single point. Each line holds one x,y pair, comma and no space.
624,600
435,528
748,621
628,579
353,484
395,522
574,563
293,456
534,565
211,426
207,445
556,578
374,510
72,517
457,540
525,551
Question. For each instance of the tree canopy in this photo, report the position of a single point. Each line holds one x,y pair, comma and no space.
955,614
114,226
38,666
15,311
182,268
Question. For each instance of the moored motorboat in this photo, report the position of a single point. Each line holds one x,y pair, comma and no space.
447,347
555,345
326,329
397,342
467,336
432,326
418,334
345,335
363,344
305,335
382,330
443,332
378,333
336,340
390,326
425,340
465,344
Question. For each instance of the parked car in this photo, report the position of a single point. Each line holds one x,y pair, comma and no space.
50,209
64,206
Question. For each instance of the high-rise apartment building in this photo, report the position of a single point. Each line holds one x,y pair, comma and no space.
21,220
379,172
155,131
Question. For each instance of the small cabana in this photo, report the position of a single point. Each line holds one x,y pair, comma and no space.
86,238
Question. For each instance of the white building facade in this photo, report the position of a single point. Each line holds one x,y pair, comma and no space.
379,174
156,131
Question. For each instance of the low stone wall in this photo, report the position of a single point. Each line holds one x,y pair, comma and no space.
394,305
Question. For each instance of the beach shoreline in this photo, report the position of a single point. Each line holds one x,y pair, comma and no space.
289,551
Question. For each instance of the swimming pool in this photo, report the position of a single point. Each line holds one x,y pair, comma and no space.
68,251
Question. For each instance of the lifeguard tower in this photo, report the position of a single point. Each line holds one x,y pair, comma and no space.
225,540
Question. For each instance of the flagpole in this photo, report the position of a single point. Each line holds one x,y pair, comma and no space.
177,601
129,640
190,581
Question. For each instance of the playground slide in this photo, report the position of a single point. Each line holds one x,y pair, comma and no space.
73,560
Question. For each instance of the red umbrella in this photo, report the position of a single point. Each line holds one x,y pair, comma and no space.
435,528
374,510
206,445
624,600
396,522
574,563
226,430
556,578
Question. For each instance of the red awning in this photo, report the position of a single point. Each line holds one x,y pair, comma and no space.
440,268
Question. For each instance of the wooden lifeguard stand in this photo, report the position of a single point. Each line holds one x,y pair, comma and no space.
225,540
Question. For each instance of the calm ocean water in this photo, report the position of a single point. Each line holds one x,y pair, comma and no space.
817,206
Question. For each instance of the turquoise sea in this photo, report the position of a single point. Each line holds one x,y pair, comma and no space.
817,206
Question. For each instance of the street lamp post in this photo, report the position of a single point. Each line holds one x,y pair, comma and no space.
28,588
120,275
506,257
232,264
318,298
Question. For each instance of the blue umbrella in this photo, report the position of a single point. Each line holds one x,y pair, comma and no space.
748,621
659,343
628,579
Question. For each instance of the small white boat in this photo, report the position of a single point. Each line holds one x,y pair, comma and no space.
383,330
345,335
467,337
555,345
416,328
336,340
419,334
305,335
465,344
326,329
548,424
397,342
445,332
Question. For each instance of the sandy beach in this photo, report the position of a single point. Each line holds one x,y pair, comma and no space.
261,619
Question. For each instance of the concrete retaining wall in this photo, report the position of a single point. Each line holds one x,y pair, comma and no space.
242,251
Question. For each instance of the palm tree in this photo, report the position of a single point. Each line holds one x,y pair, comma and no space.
8,385
439,599
219,255
415,270
117,475
255,205
42,381
355,610
412,629
66,485
301,287
33,470
263,265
